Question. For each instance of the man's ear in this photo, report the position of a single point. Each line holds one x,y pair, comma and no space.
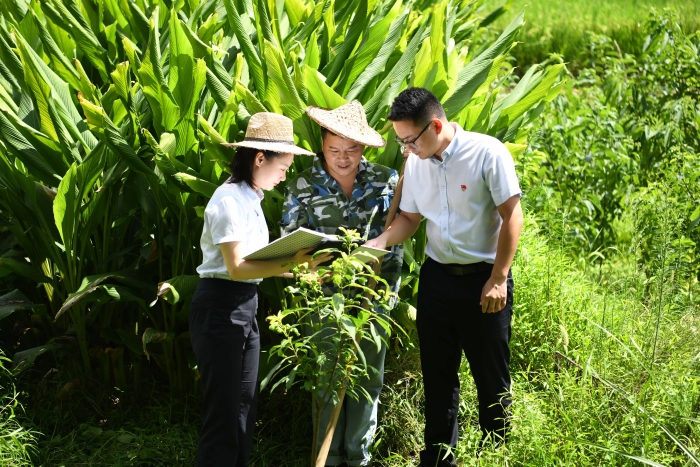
438,125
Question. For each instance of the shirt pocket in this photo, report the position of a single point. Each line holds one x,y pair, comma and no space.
326,212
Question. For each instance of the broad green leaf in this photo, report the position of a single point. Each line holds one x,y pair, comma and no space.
217,90
24,269
198,185
334,67
40,90
251,55
85,86
515,149
393,81
278,73
73,22
311,24
137,19
368,50
320,94
151,335
45,167
60,63
88,285
181,77
296,10
474,71
539,93
379,62
65,206
131,340
250,100
165,110
210,131
469,84
10,59
208,28
15,301
178,288
262,23
24,359
121,82
97,118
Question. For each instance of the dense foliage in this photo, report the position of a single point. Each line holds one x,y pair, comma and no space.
621,144
113,115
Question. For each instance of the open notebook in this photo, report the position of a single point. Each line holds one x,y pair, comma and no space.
287,246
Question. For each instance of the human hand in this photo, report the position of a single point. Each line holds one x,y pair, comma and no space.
494,295
378,242
303,256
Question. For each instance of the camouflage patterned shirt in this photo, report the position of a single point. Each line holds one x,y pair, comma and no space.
315,200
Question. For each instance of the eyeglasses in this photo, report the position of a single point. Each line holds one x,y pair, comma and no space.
411,144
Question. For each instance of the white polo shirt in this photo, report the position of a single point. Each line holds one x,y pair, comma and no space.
459,195
233,214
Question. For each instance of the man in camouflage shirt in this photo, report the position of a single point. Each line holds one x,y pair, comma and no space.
343,189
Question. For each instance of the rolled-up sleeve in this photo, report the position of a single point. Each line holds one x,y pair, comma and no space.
294,214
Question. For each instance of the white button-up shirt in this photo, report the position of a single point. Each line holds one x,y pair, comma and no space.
233,214
459,196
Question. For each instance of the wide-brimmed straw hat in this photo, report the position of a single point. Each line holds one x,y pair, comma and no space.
348,121
270,132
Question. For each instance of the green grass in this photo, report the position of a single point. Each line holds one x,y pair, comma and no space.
561,26
17,443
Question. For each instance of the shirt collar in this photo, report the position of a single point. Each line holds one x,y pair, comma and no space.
248,192
453,146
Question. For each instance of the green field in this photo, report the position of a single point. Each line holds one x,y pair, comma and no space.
561,26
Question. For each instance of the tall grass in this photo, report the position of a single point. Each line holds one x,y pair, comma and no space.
585,391
16,442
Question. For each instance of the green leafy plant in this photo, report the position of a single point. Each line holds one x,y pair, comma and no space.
321,334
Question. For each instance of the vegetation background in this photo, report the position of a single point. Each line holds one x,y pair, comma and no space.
606,359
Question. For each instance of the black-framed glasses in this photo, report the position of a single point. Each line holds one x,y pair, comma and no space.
411,144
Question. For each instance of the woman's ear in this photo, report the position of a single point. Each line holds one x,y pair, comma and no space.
259,158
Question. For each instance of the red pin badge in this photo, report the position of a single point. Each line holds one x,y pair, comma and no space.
464,187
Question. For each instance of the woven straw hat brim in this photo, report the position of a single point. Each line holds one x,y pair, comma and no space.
276,147
359,133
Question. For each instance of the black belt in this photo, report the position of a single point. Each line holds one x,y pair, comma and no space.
464,269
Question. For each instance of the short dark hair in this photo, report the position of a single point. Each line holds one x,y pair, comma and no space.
416,104
325,132
243,162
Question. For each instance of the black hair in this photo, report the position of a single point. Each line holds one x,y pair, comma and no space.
244,161
417,105
325,132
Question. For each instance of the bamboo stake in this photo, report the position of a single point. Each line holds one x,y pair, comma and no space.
328,437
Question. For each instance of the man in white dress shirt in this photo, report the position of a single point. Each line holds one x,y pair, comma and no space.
466,187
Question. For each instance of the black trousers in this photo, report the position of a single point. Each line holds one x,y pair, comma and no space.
450,321
226,343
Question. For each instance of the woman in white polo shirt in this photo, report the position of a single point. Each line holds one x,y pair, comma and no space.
223,327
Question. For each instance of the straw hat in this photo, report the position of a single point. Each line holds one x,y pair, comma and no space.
348,121
270,132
